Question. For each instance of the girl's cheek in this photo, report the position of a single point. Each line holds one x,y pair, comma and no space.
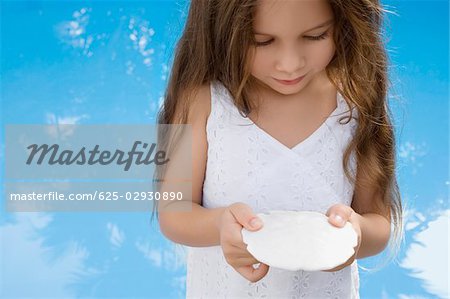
264,57
260,60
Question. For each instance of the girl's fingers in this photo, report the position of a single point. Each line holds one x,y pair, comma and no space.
253,274
241,259
245,261
339,214
244,215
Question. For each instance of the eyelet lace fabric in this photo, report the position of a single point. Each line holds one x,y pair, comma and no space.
246,164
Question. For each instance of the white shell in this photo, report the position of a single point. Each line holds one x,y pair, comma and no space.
300,240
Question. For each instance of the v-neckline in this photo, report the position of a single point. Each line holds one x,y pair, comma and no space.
310,138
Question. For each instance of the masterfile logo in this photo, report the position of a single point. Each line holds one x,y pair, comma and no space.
96,167
53,155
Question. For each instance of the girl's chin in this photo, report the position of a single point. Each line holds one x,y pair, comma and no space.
287,90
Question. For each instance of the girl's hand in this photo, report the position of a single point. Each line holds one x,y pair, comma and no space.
232,220
344,213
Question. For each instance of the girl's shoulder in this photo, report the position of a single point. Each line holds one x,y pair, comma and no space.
204,99
201,100
198,107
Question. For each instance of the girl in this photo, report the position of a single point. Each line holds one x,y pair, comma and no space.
287,106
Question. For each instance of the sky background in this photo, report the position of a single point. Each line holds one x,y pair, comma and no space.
107,62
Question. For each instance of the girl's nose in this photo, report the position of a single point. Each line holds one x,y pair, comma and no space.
290,61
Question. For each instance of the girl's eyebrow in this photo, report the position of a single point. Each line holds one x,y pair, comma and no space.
316,27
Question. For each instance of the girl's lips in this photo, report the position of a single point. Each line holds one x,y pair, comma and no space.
290,82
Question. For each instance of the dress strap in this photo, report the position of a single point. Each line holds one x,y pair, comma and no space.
223,108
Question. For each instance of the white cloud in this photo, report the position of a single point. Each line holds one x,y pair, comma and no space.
153,255
175,257
413,219
116,236
428,256
412,151
73,32
141,36
171,259
51,118
403,296
26,261
164,71
130,67
179,286
62,126
411,154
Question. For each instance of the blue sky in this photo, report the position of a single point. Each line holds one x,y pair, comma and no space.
96,62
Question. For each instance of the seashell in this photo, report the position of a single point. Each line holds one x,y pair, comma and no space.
300,240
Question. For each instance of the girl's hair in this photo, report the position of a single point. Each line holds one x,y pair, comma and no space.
217,44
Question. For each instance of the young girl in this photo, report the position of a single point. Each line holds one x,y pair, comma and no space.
287,102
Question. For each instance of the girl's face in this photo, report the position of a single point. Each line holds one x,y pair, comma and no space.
294,38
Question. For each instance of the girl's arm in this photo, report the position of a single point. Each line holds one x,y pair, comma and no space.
370,218
370,214
373,217
375,232
198,227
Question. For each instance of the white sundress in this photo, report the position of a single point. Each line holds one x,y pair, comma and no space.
246,164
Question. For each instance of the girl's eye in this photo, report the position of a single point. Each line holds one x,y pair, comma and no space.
314,38
259,44
318,37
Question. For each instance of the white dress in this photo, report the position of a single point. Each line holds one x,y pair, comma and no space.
246,164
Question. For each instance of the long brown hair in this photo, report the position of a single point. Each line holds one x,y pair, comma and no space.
216,44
